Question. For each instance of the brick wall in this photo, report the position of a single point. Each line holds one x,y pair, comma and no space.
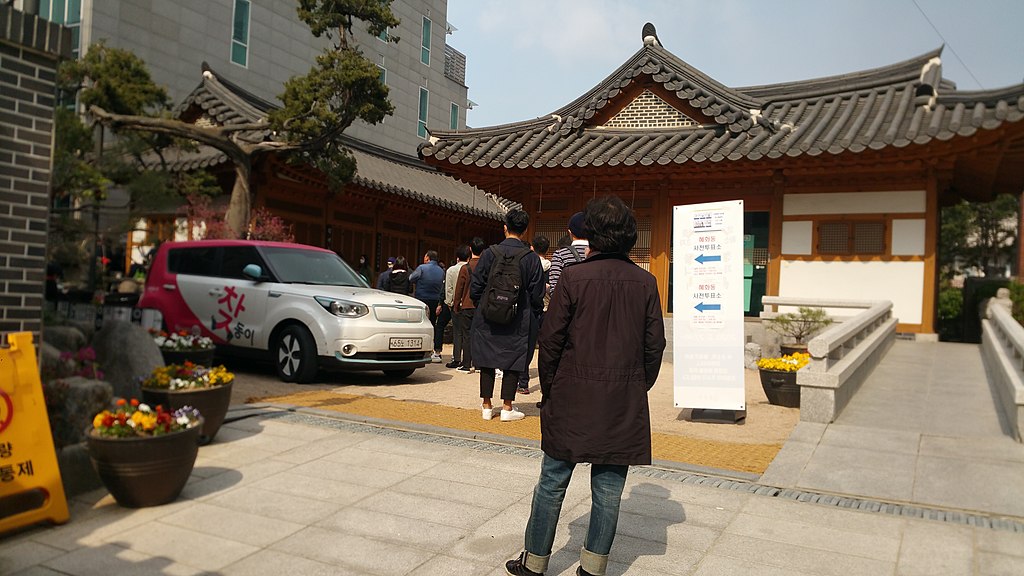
650,111
29,52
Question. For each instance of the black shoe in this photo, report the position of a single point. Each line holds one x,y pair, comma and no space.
518,567
581,572
452,364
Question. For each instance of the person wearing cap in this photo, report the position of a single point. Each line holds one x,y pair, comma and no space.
384,275
576,252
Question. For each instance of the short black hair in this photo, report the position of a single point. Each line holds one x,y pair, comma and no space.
609,225
462,252
517,221
564,241
401,263
541,244
477,245
432,255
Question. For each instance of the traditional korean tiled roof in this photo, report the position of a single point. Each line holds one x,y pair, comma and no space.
221,102
698,119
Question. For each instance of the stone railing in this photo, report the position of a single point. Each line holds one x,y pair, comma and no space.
842,356
1002,347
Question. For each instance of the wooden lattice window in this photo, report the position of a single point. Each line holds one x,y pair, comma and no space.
851,237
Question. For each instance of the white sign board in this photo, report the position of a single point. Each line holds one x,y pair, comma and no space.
707,306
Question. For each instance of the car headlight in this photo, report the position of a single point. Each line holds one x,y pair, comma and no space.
343,308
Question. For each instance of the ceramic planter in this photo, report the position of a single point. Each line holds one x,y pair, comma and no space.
212,404
144,471
780,387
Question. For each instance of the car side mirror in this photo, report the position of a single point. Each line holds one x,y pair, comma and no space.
253,272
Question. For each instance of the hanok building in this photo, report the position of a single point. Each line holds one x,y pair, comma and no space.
394,206
842,177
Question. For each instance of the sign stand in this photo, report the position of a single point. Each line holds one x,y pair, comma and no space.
30,485
707,306
714,416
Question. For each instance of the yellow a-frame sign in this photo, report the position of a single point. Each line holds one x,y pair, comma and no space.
30,486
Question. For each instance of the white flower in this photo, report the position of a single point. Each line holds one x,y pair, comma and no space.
183,420
145,408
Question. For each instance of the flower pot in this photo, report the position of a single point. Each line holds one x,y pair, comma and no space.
144,471
197,357
780,387
212,404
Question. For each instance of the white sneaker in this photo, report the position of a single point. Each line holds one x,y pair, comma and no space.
435,358
488,413
510,415
497,374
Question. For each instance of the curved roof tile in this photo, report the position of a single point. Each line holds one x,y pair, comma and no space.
229,104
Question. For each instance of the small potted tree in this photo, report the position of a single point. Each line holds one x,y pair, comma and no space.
797,327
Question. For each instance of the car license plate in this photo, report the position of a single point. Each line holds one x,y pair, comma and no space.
406,343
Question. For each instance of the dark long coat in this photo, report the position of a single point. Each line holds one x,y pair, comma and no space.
504,346
601,346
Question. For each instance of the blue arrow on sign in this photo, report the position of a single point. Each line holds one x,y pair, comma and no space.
702,307
702,258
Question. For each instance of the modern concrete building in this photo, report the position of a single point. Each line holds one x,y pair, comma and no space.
260,45
252,48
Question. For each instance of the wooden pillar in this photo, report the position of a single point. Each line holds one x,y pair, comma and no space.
775,219
931,276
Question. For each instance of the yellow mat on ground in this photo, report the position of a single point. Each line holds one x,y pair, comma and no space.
714,454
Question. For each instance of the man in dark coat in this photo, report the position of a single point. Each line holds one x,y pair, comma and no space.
601,347
505,346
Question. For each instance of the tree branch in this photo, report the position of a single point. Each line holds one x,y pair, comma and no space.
215,137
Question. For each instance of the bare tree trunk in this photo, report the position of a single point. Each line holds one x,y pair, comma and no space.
237,216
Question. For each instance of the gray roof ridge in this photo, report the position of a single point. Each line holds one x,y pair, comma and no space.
898,72
719,103
252,102
1015,91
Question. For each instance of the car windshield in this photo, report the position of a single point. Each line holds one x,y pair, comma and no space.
298,266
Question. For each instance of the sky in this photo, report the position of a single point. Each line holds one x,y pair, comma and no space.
528,58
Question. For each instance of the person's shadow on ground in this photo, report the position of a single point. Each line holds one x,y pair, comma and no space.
645,514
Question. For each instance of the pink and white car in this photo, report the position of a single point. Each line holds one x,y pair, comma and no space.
301,306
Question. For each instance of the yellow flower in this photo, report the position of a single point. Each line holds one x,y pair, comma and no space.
788,363
144,420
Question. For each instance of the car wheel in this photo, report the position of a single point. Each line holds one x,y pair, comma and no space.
405,373
295,355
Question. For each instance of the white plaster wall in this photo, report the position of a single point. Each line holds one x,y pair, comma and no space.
797,237
908,237
900,282
896,202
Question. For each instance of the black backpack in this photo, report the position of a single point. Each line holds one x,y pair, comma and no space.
503,285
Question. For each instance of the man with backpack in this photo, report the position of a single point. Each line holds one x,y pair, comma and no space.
508,289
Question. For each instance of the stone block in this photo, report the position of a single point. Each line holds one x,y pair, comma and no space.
64,338
72,403
76,471
127,354
50,362
751,354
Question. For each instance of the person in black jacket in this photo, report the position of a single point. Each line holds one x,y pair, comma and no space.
601,347
398,278
504,346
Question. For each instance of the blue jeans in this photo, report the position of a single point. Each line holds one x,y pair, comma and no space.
606,483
